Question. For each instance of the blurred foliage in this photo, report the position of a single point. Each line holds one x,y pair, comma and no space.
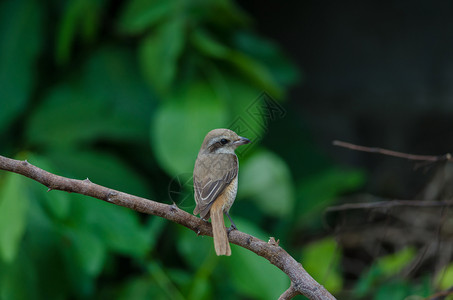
322,261
123,93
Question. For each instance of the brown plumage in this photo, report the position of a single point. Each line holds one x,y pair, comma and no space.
215,182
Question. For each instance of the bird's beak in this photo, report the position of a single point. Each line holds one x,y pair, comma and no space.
241,141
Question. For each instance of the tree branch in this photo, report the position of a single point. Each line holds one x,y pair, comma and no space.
301,281
431,158
390,204
289,293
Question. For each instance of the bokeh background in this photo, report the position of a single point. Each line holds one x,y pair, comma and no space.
123,92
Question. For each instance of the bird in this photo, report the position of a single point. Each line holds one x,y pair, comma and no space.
215,180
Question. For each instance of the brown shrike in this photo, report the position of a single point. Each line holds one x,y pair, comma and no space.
215,181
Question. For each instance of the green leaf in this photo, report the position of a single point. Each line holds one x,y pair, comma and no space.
224,15
68,28
282,70
196,108
251,68
193,248
269,183
256,72
384,268
397,289
392,264
444,279
127,235
20,44
140,15
124,235
87,250
43,245
13,210
321,190
161,278
208,45
18,280
160,52
79,17
251,274
109,102
321,260
140,288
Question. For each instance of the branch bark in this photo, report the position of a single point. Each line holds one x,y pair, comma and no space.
301,282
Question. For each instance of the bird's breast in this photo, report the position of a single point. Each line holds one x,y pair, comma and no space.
229,194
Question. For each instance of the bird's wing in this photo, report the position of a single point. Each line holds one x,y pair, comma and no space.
211,176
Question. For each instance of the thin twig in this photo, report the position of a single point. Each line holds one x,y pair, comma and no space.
431,158
301,281
441,295
390,204
289,293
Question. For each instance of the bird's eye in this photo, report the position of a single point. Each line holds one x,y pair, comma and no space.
224,141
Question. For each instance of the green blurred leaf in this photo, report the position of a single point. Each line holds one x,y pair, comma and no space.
256,72
162,280
221,14
392,264
87,250
68,27
201,288
13,211
194,249
80,17
384,268
444,279
57,202
109,102
118,227
321,260
208,45
126,235
197,108
160,52
140,15
20,43
18,280
397,289
269,183
44,246
282,70
140,288
321,190
252,69
251,274
367,281
406,289
198,252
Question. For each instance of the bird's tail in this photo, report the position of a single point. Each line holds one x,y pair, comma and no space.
221,244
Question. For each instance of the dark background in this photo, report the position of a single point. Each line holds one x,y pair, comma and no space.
374,73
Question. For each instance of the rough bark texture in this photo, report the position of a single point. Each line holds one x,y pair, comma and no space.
301,281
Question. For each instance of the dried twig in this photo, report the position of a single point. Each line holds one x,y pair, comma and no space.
301,281
441,295
390,204
430,158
